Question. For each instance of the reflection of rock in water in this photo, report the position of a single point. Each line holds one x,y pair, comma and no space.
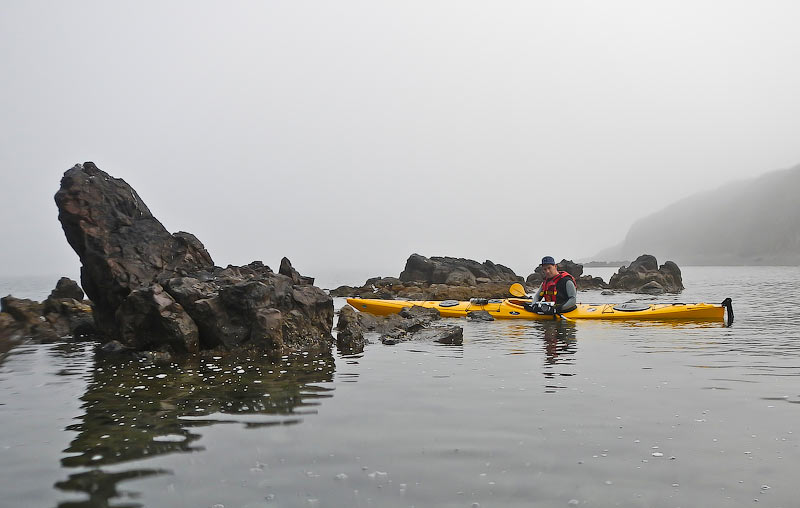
134,411
559,347
101,487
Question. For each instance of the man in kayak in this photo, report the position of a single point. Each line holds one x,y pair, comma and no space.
558,288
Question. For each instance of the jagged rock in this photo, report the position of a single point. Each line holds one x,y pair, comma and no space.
380,282
150,318
161,291
436,270
52,319
287,270
535,279
583,282
66,288
589,282
461,277
412,323
651,288
644,270
418,312
574,269
254,307
23,310
7,321
444,335
121,245
479,315
350,336
68,316
344,291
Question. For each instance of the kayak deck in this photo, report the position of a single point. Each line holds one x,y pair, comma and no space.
512,308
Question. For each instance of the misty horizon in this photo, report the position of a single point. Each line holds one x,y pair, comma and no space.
347,137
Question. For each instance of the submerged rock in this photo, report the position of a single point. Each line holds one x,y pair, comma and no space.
412,323
479,315
450,334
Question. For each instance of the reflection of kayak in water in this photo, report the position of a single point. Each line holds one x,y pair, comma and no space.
515,308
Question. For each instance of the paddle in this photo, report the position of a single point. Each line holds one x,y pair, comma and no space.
518,290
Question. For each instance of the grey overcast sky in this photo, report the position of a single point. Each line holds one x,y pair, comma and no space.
347,135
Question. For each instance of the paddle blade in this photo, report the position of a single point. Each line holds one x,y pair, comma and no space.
516,289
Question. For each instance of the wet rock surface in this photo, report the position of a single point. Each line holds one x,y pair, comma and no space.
153,290
644,275
412,323
57,317
479,315
388,289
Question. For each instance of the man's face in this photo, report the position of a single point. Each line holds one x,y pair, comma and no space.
549,271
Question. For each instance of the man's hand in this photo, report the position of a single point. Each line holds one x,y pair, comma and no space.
545,309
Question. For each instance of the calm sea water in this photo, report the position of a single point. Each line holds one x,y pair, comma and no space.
522,414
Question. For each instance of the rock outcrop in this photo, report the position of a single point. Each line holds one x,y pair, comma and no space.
62,314
438,278
644,275
455,271
413,323
388,289
584,282
153,290
121,245
447,278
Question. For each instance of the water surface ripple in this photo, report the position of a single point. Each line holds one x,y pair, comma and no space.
522,414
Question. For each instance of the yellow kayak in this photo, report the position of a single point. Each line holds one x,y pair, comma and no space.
512,308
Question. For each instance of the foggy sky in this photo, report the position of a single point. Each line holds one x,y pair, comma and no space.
347,135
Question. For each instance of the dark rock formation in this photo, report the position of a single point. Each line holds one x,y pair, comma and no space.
121,245
424,291
423,314
414,323
350,336
455,271
252,306
160,291
66,288
150,318
287,270
644,275
584,282
445,278
52,319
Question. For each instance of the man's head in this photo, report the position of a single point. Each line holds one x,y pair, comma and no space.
549,268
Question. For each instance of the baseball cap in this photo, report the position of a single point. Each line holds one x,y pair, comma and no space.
548,260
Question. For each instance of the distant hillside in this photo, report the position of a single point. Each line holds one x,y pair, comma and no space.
752,222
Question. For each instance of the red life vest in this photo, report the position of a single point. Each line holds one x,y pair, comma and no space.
549,290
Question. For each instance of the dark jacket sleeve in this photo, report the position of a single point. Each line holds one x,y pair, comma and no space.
572,294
